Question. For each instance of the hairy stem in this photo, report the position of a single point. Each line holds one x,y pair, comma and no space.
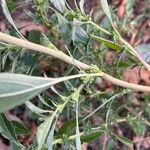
62,56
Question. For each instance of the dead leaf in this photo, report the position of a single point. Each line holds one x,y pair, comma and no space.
137,75
142,141
2,26
121,9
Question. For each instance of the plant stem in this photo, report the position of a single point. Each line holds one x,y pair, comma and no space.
42,14
98,27
124,42
62,56
38,48
136,53
124,84
72,137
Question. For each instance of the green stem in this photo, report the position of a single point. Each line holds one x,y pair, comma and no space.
99,28
101,106
124,42
41,13
136,53
56,141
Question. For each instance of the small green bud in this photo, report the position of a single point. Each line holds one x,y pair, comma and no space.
115,36
94,69
124,48
87,79
75,96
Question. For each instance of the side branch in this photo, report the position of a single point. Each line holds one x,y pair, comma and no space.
136,54
62,56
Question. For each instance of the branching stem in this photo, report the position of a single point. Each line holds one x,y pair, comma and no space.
136,54
62,56
124,42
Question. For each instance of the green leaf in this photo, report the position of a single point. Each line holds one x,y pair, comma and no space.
67,126
7,129
84,137
65,28
138,126
78,33
110,144
124,140
19,128
36,109
15,89
51,137
14,146
11,5
43,130
108,43
123,64
59,4
81,5
106,10
91,136
78,141
8,16
34,36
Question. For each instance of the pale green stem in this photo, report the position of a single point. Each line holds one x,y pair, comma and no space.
136,54
125,43
62,56
100,28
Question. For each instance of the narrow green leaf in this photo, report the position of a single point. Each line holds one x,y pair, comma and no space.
85,137
43,101
14,146
106,9
11,5
8,16
51,137
43,130
78,141
59,4
138,126
91,136
123,64
78,33
65,28
124,140
67,126
81,5
15,89
35,109
108,43
20,128
7,129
